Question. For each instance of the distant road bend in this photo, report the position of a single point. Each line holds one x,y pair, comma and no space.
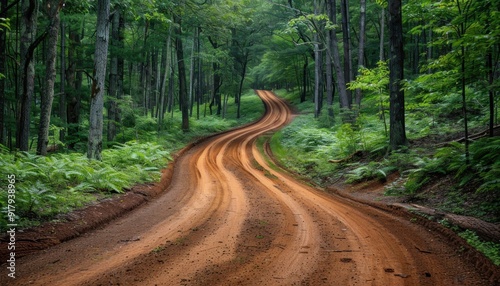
228,218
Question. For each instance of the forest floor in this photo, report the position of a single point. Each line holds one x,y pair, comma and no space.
224,214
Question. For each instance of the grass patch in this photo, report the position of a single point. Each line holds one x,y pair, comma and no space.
489,249
158,249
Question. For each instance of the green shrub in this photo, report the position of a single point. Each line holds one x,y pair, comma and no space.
489,249
46,186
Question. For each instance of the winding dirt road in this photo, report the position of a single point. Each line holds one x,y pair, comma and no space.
228,218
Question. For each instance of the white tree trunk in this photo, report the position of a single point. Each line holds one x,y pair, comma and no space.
98,82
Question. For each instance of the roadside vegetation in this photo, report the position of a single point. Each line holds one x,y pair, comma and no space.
47,186
432,171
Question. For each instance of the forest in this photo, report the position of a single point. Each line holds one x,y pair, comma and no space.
96,96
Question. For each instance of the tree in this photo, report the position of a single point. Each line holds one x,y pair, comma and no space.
3,56
361,47
98,81
28,43
183,96
116,72
397,135
346,43
335,57
53,7
318,66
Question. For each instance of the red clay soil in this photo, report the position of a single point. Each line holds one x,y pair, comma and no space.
228,218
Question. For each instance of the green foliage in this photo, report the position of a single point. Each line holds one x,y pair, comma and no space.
486,162
484,166
488,248
46,186
373,170
348,139
4,24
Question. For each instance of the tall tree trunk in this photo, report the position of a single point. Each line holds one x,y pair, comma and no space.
183,99
361,47
303,95
341,81
3,58
63,113
98,81
330,87
491,93
74,79
217,82
199,76
192,81
27,70
382,32
115,88
397,134
242,80
346,35
464,102
153,81
318,67
166,71
53,8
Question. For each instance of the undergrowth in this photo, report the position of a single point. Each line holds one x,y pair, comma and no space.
488,248
47,186
326,150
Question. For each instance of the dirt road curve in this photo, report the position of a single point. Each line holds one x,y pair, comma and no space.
228,218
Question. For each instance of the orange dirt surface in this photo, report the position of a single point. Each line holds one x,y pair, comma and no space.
229,218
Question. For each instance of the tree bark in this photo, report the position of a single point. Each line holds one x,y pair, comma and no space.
491,93
166,71
242,80
330,87
335,58
63,113
397,134
98,81
346,35
381,56
318,67
183,96
27,70
361,48
74,79
115,88
216,96
304,79
3,58
53,8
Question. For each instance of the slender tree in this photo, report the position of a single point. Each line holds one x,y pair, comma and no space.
318,65
28,43
63,112
116,72
361,47
3,58
397,133
183,96
98,81
346,43
53,8
74,78
335,57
